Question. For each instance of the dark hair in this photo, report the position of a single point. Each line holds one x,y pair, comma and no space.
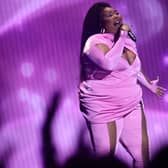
92,25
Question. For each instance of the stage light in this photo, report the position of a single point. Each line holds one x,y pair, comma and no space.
27,69
50,75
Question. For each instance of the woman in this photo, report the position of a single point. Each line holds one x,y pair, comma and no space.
109,91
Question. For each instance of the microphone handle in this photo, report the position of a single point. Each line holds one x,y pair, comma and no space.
132,36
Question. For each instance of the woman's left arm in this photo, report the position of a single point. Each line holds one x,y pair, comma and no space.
151,85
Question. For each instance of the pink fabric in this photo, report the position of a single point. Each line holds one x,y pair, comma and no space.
130,135
101,140
112,57
109,93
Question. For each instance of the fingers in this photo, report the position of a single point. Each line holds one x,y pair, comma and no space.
125,27
160,91
162,88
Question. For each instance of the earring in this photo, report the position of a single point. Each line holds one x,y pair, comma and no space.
102,30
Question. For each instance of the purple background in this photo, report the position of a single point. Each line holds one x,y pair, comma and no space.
39,54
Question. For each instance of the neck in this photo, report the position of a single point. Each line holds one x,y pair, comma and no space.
111,31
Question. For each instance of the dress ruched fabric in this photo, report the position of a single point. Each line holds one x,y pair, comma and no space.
108,95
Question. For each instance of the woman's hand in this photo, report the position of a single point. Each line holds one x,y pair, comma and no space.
124,30
125,27
158,90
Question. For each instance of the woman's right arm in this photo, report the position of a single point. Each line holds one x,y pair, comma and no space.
104,57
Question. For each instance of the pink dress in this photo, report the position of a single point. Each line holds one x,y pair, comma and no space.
107,95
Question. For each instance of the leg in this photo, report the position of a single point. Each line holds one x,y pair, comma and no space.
103,137
134,136
145,141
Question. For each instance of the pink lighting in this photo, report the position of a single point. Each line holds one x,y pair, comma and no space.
37,102
166,98
157,128
33,100
165,60
27,69
50,75
39,51
24,94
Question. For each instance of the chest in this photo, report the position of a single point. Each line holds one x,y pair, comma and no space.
129,56
129,52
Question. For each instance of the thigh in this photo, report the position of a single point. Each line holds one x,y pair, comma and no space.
103,137
134,135
145,139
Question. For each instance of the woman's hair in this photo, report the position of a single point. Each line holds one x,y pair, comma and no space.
92,25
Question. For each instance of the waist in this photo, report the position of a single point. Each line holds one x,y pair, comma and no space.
111,82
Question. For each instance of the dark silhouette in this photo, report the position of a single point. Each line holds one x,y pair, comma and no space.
48,151
160,160
82,158
108,161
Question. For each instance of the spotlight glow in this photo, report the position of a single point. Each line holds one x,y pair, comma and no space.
27,69
23,12
37,102
166,98
24,94
165,60
33,100
50,75
157,128
67,102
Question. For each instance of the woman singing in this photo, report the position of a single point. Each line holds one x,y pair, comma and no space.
109,88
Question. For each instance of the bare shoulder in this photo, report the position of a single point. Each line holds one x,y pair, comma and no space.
98,41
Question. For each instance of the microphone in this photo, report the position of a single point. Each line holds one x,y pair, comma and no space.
131,35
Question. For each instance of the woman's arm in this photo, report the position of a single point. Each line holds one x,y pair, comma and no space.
144,80
103,56
151,85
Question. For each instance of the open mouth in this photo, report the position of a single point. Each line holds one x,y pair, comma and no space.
117,22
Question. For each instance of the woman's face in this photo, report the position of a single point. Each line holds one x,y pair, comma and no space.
111,19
